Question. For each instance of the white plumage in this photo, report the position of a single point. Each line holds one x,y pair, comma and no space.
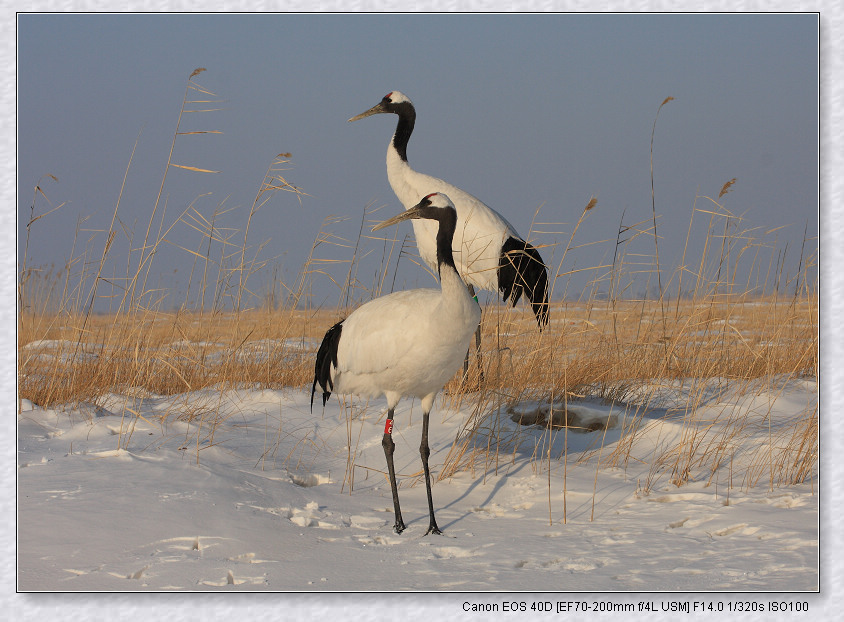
488,252
408,343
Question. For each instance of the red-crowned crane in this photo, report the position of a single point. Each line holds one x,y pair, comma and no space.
405,344
488,252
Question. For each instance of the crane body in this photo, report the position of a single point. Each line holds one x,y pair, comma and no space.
405,344
488,252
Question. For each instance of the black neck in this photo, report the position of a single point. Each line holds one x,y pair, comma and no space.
407,118
445,238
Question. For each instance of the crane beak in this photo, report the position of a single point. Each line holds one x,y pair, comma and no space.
413,212
374,110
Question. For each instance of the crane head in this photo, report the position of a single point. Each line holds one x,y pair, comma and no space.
435,206
389,103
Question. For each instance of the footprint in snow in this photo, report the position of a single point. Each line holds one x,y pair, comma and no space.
742,528
367,522
232,579
453,552
493,510
571,565
367,540
310,479
310,516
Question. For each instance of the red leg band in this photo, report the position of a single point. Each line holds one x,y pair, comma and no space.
388,426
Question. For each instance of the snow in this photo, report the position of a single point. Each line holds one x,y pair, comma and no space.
223,491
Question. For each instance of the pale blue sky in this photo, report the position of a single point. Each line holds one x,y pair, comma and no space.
521,110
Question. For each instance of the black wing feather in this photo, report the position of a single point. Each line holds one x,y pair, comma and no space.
326,356
521,270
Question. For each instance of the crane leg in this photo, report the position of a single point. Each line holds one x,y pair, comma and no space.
478,357
477,349
389,447
425,451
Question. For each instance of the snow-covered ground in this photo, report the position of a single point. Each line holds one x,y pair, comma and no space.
138,494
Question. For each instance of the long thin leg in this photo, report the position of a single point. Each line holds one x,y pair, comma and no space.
424,451
466,366
478,358
389,447
477,348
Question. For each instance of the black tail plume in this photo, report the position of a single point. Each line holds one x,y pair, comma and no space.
326,356
521,270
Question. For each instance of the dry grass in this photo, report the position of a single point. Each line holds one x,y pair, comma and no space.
705,330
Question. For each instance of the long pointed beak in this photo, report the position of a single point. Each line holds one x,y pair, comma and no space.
374,110
413,212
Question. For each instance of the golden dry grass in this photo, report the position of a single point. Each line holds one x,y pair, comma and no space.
587,349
